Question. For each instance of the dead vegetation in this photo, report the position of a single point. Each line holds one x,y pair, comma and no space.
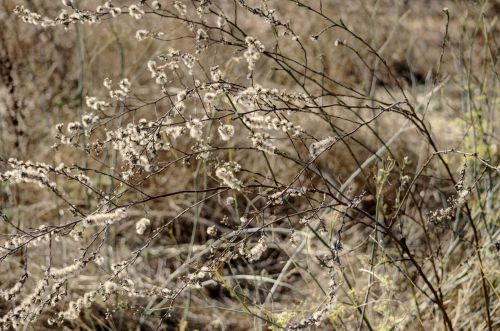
236,165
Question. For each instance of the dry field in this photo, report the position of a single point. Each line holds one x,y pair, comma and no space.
249,165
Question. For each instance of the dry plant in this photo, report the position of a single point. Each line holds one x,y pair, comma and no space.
249,164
